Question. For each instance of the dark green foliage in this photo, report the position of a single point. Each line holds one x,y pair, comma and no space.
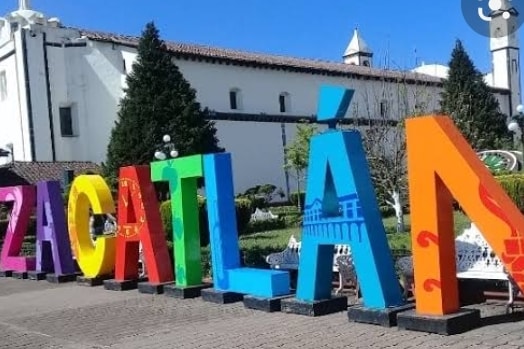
514,187
387,211
391,229
266,225
158,101
252,256
255,256
262,195
467,99
243,211
293,198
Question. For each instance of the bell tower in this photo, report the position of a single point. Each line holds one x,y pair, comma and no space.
358,52
505,51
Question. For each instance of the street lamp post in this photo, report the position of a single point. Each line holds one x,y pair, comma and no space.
164,151
167,149
517,124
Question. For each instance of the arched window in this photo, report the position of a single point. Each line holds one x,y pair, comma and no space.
284,102
365,63
235,100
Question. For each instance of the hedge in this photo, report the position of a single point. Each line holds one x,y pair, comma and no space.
514,187
266,225
243,213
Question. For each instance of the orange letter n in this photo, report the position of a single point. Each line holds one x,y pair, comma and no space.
442,166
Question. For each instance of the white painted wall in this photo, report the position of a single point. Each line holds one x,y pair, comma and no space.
38,95
91,79
102,70
11,130
20,137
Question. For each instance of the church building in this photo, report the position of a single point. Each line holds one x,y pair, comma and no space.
60,89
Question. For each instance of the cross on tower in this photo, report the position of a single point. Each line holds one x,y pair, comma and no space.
24,4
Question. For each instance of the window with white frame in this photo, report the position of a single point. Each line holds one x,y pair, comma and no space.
3,85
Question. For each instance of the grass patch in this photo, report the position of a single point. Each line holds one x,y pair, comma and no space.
461,222
277,239
272,239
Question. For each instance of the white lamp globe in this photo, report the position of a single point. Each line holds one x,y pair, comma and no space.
166,138
520,108
174,153
160,155
513,126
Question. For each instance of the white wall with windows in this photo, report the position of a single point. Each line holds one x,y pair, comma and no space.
74,102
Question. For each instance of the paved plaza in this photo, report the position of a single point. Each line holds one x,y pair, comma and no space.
38,314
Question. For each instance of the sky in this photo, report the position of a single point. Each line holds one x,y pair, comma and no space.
407,31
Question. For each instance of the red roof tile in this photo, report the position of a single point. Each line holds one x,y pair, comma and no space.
193,51
20,172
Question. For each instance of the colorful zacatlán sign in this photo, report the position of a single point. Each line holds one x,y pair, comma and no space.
340,208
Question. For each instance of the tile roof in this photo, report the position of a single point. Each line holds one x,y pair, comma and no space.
213,54
21,173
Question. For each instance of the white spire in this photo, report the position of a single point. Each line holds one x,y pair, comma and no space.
358,52
357,45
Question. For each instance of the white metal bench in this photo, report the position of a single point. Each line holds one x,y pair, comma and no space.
475,260
342,262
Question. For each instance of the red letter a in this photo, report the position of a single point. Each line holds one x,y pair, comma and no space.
139,221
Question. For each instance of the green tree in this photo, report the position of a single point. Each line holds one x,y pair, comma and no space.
467,99
158,101
297,153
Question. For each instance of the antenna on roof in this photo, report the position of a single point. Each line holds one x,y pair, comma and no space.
416,56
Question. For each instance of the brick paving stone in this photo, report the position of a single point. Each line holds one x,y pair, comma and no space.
43,315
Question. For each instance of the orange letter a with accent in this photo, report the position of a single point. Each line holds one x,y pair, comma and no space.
139,222
442,165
